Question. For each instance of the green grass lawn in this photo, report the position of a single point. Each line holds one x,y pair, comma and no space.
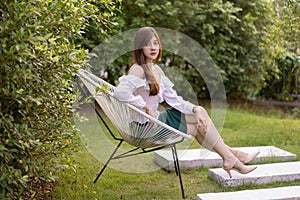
242,128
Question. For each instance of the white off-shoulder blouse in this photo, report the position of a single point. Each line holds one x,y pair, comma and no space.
134,90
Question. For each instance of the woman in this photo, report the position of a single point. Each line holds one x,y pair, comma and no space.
146,86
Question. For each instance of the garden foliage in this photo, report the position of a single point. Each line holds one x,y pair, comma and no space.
245,39
38,63
232,32
283,83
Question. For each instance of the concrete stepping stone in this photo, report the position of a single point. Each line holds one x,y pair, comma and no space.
281,193
265,173
192,158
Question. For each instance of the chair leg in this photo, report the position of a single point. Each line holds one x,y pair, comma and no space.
175,163
110,158
178,170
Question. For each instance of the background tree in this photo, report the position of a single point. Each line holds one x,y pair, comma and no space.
285,44
102,26
234,33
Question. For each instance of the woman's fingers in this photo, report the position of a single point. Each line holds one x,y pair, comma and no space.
202,118
202,125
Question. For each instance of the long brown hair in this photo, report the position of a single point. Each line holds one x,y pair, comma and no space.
142,37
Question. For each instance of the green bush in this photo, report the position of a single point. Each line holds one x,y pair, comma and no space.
38,62
234,33
281,85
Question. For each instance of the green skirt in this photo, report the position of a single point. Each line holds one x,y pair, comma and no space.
174,118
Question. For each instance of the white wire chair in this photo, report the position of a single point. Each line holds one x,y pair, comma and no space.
147,137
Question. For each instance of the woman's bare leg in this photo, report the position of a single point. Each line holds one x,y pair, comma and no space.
193,129
242,156
211,139
208,136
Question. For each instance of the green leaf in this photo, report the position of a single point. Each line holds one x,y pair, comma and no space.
47,36
2,148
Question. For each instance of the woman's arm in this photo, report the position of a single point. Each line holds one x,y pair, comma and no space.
174,100
177,102
125,89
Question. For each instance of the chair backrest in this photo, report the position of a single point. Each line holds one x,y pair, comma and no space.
124,116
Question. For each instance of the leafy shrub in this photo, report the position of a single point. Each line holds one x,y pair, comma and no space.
282,80
234,33
38,62
282,85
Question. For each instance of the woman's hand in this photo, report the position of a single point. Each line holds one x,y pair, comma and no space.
149,111
202,118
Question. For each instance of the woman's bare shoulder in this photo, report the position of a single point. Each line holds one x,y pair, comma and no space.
136,70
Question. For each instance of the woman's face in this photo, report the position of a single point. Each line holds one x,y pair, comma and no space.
151,50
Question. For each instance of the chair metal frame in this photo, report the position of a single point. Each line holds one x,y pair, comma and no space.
135,150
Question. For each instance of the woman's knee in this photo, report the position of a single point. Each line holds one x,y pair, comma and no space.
202,111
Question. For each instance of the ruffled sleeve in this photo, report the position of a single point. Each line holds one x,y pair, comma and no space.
172,98
125,89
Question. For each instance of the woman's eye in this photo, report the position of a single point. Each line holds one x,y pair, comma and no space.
154,44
